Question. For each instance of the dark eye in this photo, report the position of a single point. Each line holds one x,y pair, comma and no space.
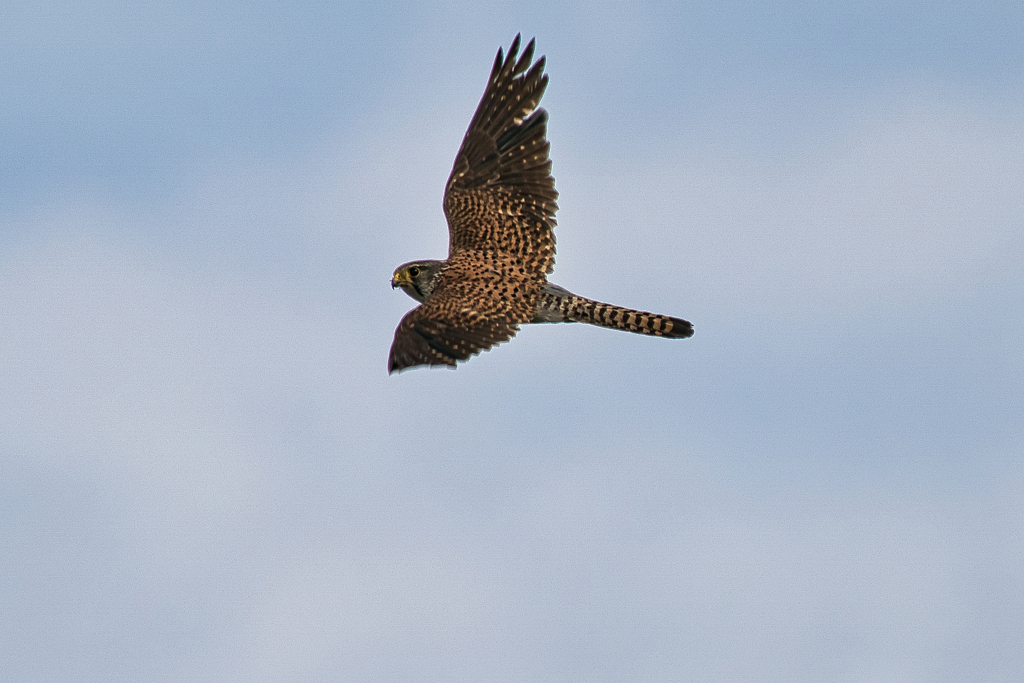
414,271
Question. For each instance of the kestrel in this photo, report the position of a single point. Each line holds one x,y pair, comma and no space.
500,206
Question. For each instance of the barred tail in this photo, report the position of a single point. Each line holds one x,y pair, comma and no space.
558,305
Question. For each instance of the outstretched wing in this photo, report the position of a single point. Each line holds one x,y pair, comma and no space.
500,197
500,205
471,309
423,341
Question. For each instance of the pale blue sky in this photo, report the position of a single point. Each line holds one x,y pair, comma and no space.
207,474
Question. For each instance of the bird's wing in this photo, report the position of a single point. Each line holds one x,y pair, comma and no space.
500,197
471,309
423,341
500,205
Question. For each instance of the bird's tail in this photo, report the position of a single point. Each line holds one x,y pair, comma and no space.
556,304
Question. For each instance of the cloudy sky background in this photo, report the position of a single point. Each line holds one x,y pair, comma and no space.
207,474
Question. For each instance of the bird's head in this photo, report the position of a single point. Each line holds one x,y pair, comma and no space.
417,278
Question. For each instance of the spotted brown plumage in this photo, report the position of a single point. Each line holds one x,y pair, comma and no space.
500,202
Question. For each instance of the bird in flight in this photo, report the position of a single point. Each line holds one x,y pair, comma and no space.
500,206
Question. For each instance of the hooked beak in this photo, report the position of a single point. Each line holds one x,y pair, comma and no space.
397,280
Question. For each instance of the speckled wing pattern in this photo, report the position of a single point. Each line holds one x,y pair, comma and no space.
500,206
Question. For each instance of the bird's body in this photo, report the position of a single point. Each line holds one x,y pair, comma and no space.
554,304
500,205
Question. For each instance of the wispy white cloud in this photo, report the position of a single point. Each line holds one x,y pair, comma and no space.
912,200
